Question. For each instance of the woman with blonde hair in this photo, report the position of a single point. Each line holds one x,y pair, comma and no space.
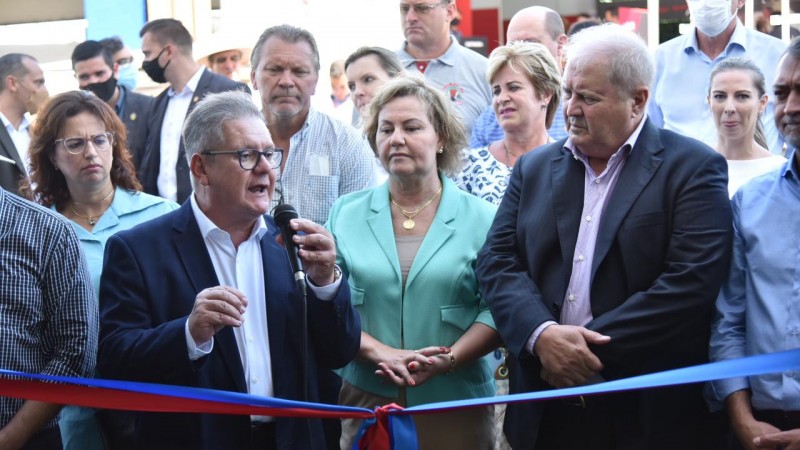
526,89
409,248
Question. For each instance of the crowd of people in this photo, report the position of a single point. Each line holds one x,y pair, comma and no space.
598,210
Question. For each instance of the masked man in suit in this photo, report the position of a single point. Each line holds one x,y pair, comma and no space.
167,48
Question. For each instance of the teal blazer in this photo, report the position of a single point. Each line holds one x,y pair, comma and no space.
441,299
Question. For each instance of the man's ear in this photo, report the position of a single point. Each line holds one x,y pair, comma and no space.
197,167
640,100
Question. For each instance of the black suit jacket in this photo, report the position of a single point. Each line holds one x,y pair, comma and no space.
661,253
209,83
135,116
10,174
151,276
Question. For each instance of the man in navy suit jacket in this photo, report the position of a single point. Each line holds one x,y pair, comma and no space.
205,296
604,261
167,48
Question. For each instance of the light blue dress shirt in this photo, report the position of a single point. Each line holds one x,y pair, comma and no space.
327,159
79,429
678,98
486,129
758,308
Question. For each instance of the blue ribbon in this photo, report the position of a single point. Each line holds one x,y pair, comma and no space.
401,426
734,368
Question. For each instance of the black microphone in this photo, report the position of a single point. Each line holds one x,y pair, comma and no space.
283,214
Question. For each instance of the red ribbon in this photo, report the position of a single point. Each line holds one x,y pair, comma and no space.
376,437
65,394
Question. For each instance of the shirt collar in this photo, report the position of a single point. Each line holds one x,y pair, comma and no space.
620,153
449,57
121,100
739,37
26,122
191,86
207,226
789,170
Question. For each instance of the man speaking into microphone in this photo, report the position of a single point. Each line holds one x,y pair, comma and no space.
206,297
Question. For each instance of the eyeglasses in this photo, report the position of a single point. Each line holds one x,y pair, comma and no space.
420,9
249,158
125,61
77,145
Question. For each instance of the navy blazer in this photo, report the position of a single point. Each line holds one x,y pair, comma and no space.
10,174
149,163
661,254
135,115
151,276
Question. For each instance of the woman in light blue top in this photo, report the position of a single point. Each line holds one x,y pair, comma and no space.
80,167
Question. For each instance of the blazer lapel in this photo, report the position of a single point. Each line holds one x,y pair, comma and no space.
203,86
380,222
568,184
9,150
197,263
439,232
642,163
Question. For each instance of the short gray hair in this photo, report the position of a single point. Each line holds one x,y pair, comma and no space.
287,33
203,127
441,114
630,62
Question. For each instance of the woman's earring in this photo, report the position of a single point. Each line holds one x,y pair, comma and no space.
441,150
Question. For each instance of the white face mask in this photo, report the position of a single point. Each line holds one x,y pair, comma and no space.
711,17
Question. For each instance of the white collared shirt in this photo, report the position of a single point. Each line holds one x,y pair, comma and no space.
171,127
20,137
242,269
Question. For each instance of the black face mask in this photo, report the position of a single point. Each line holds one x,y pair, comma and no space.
104,90
153,70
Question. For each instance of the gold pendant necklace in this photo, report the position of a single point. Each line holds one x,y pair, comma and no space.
409,223
90,218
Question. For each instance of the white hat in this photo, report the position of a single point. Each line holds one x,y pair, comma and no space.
219,42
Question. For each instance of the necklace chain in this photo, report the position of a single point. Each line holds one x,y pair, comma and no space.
509,153
409,223
91,218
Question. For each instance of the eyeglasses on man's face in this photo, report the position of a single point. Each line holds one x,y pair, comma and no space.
420,9
249,158
77,145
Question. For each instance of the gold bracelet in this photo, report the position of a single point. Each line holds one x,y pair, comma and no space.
452,362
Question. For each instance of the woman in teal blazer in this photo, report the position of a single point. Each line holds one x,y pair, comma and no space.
408,248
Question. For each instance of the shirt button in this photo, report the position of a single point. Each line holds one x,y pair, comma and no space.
790,374
580,257
588,218
571,298
250,339
596,181
794,332
255,380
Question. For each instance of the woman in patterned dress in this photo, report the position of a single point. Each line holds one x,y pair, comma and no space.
526,88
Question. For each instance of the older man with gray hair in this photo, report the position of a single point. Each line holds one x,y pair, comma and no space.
205,296
615,271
